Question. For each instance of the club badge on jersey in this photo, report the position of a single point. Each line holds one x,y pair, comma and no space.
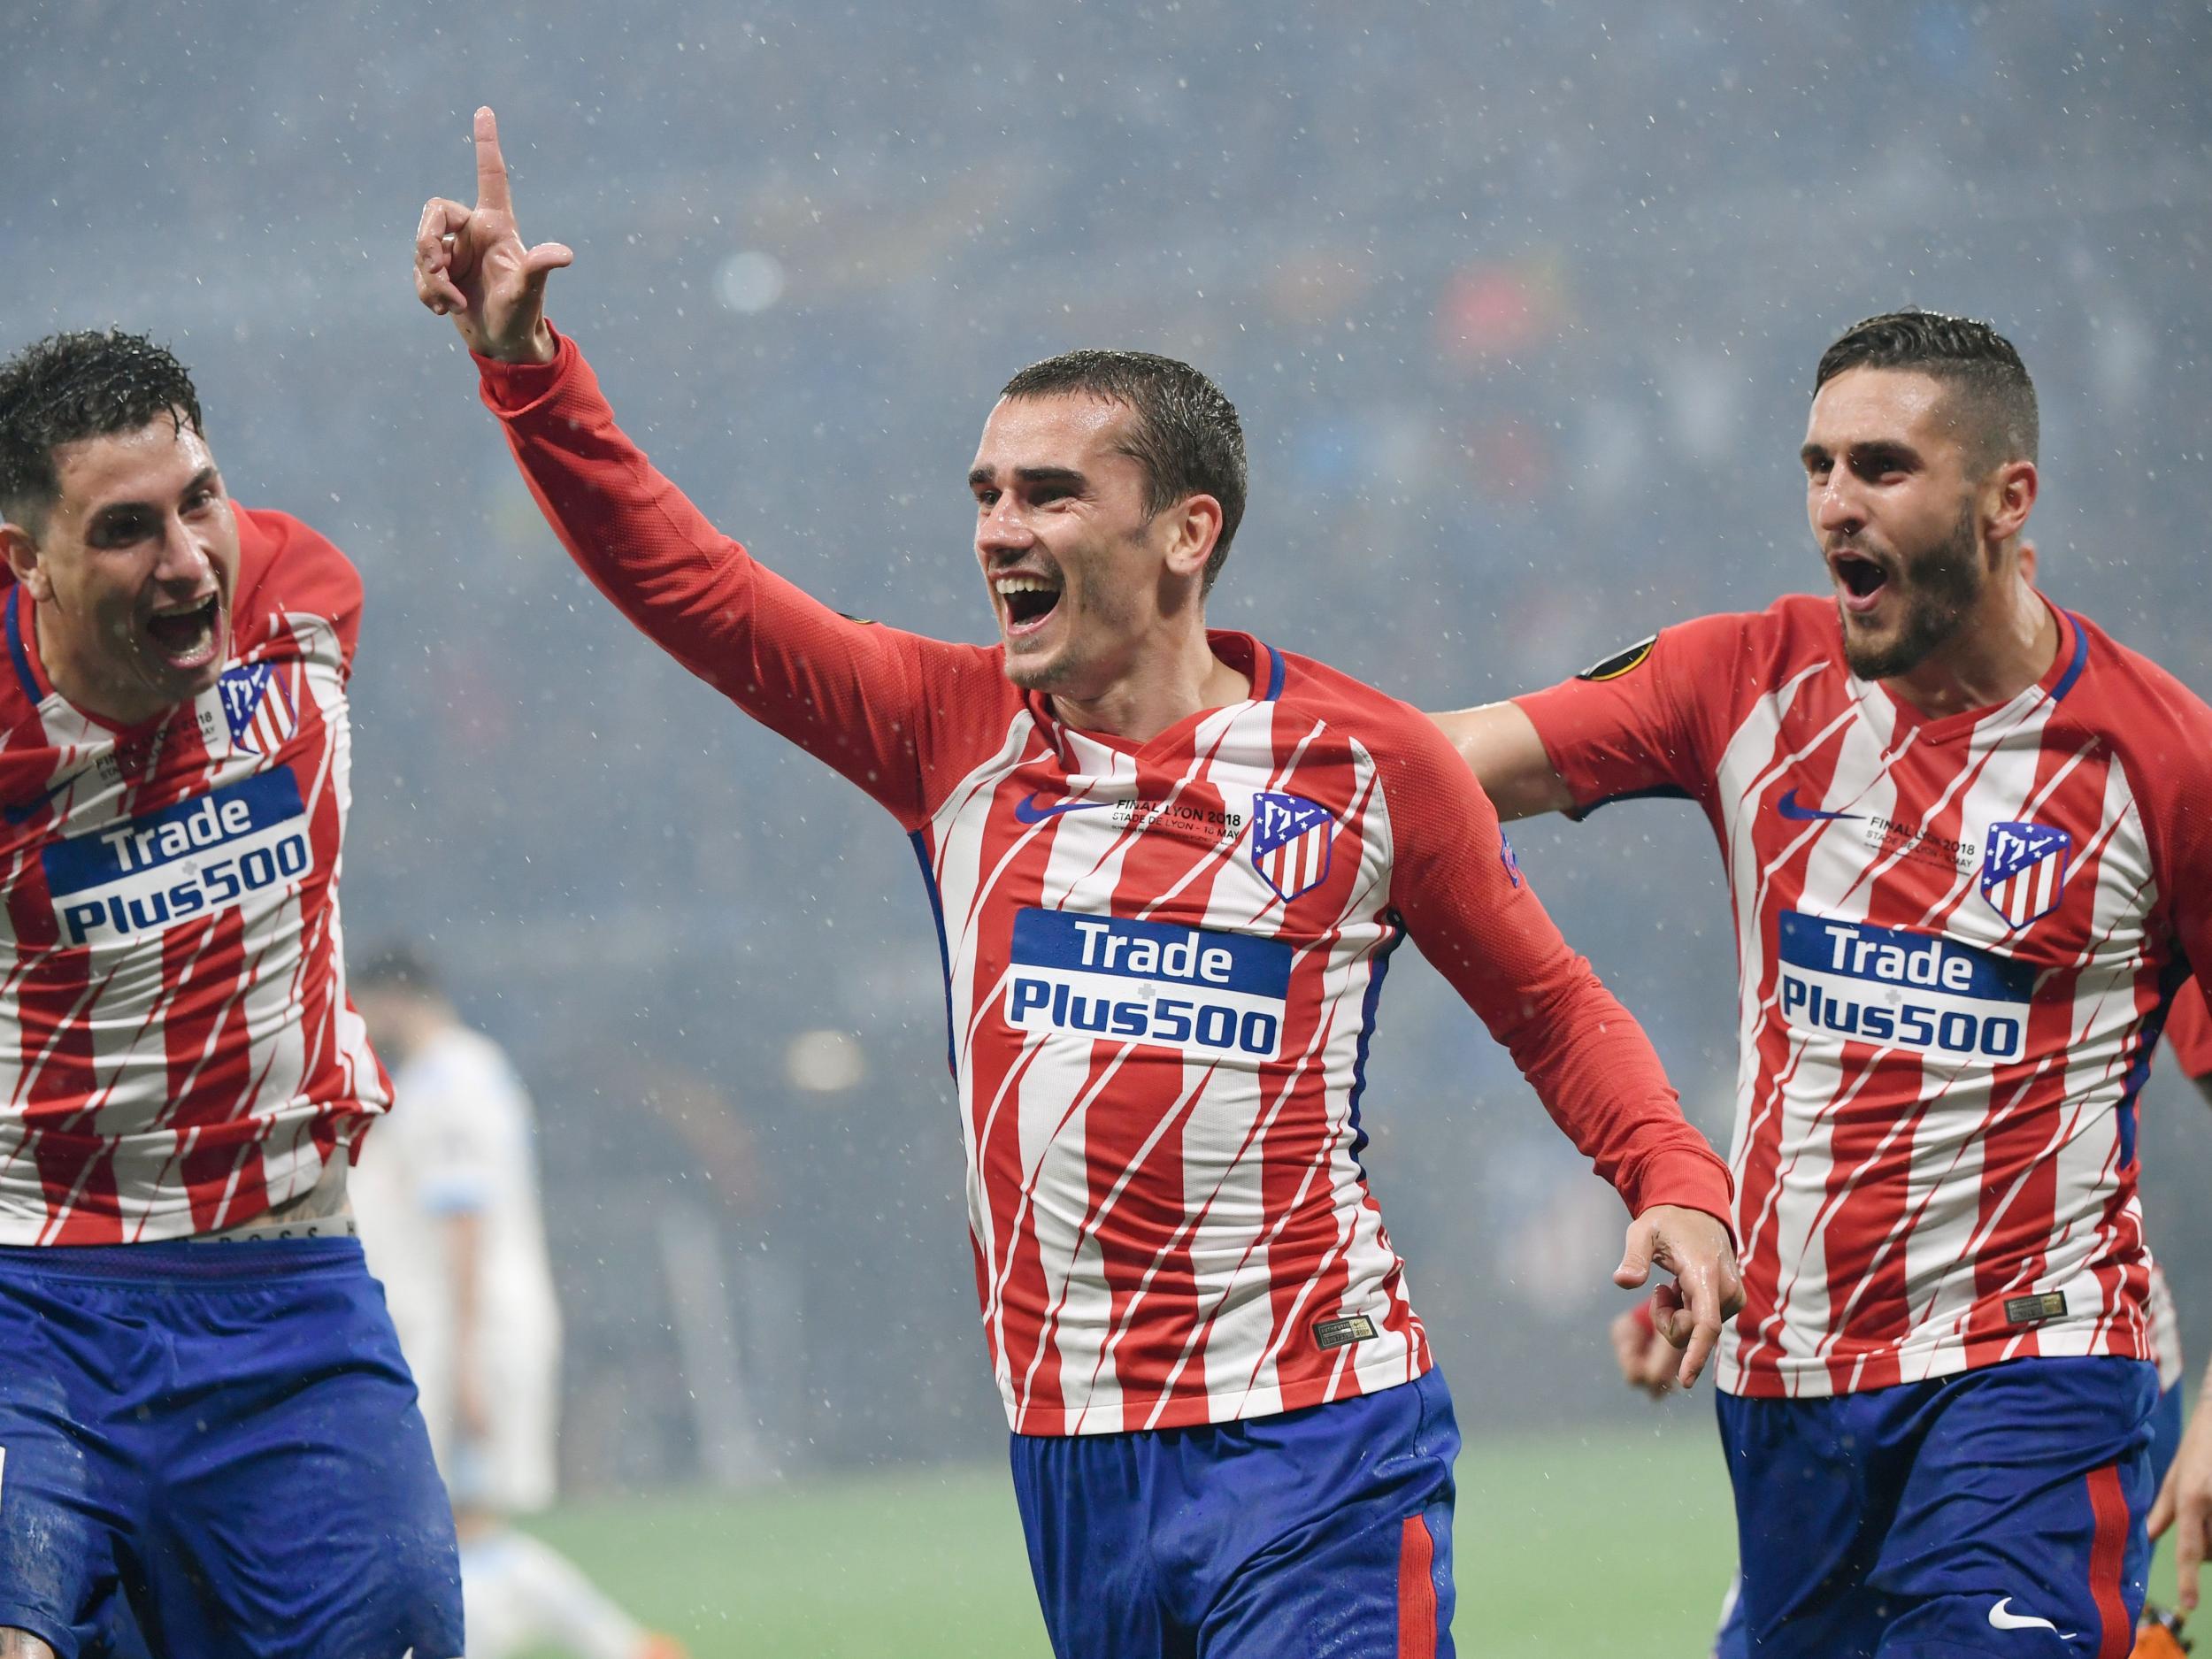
1290,842
2023,872
257,705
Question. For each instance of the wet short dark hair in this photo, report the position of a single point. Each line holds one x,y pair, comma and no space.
1185,434
74,386
1981,369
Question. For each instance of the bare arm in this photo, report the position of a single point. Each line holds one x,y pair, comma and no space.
1500,745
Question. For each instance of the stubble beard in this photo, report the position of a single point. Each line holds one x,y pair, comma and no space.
1941,588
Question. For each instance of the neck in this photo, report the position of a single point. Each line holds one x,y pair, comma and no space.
2007,644
1163,686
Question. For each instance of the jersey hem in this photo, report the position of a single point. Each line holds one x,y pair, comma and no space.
1199,1411
1802,1379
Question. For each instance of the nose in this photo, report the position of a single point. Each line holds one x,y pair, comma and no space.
1837,509
185,561
1002,528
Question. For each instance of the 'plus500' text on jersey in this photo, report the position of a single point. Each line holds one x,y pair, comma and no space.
1161,963
1958,939
182,1056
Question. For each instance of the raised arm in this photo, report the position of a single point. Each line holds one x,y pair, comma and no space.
1500,745
863,698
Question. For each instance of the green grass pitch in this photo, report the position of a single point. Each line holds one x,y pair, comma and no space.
1617,1541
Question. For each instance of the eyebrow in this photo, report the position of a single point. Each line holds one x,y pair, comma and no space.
983,476
200,480
1892,450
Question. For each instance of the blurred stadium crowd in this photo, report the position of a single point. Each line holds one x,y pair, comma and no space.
1520,304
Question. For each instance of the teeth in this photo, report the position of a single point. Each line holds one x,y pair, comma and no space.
1023,585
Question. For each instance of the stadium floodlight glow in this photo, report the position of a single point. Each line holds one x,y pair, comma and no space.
749,281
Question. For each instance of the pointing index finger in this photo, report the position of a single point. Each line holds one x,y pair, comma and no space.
491,166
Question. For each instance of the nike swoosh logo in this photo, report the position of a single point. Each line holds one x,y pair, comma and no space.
1029,812
2000,1619
1788,808
24,813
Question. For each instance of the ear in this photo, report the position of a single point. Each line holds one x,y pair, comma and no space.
23,560
2010,496
1197,527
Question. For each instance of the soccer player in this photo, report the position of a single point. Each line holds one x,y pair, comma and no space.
1168,867
1970,862
1647,1361
446,1201
209,1442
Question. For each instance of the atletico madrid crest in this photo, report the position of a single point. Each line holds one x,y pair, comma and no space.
258,704
1290,842
2023,872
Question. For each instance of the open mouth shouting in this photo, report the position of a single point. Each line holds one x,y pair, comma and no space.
1860,580
1027,599
186,638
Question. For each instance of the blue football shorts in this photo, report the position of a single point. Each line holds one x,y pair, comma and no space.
1732,1643
215,1449
1326,1531
1999,1511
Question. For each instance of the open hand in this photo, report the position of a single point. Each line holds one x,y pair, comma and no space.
471,264
1708,1286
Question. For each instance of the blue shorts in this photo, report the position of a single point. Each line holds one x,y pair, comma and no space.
1732,1643
1323,1530
1998,1511
214,1449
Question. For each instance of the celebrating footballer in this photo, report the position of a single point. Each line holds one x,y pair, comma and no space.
1168,866
1969,840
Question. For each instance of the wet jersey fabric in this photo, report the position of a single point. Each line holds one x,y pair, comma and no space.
1162,961
1957,941
180,1055
1324,1531
1994,1510
150,1391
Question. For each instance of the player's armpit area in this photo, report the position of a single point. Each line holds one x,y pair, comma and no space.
1500,745
20,1644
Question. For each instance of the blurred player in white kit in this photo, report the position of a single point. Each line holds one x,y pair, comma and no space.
447,1198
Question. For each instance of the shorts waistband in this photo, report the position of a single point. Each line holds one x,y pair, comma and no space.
184,1259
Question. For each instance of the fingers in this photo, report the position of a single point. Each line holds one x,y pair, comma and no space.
491,166
540,262
1632,1343
441,223
1704,1318
1635,1266
2188,1556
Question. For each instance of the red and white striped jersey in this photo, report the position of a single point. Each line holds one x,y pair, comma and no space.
181,1057
1957,939
1162,962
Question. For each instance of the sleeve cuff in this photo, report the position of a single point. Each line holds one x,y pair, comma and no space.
1693,1180
517,388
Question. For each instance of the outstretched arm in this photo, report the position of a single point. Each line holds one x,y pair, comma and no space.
865,699
1500,745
